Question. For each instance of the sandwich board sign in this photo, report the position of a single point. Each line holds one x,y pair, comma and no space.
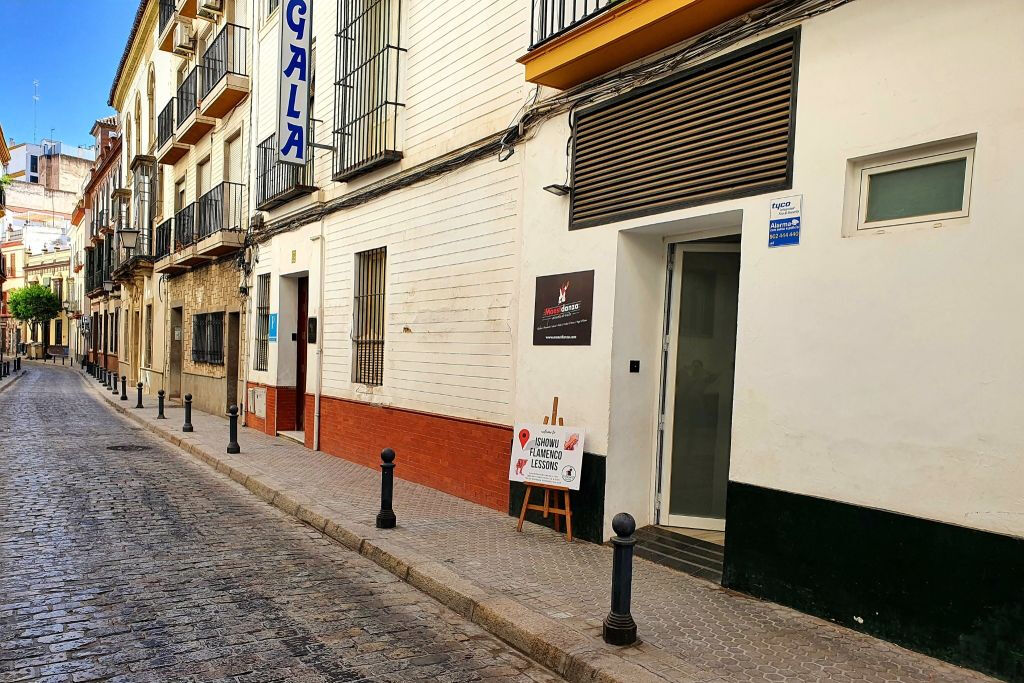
293,88
547,455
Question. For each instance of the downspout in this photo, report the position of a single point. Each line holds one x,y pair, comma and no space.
319,343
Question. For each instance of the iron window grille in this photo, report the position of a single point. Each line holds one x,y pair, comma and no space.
144,206
368,317
272,5
220,209
551,18
185,227
226,55
165,124
208,338
188,100
166,13
262,322
149,336
366,87
278,183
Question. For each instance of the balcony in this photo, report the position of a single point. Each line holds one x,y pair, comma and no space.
221,221
166,24
186,235
168,148
187,8
573,41
192,126
225,80
163,251
278,183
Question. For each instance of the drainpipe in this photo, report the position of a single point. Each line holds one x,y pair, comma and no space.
319,344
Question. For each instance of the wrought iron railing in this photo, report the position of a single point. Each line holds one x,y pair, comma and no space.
276,181
226,55
162,243
220,209
166,13
552,18
188,95
185,227
165,124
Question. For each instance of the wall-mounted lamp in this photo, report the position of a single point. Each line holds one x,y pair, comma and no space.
559,190
108,286
129,238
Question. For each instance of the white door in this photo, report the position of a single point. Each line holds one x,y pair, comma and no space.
699,385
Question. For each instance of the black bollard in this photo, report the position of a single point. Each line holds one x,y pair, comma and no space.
139,387
187,427
386,517
233,429
619,627
160,405
17,363
113,384
124,388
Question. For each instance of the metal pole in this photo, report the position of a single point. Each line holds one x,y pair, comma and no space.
386,517
160,405
619,627
139,388
187,427
113,384
124,388
233,429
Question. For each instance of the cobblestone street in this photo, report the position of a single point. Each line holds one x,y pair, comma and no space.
122,559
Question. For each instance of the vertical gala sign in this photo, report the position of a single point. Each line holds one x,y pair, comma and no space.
293,92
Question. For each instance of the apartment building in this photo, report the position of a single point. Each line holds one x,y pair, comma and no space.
792,240
382,277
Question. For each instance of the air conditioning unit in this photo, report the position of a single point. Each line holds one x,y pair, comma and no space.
210,9
184,40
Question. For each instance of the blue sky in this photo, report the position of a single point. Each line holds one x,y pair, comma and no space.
72,47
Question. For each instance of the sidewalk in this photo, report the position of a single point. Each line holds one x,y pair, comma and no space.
535,591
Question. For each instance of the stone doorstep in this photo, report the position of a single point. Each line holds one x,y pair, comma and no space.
573,655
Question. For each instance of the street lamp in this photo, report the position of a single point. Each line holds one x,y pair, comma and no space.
108,286
129,238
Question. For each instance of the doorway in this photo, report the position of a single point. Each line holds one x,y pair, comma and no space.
301,339
232,360
174,380
698,382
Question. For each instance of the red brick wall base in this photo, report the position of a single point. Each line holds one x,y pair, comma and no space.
280,410
461,457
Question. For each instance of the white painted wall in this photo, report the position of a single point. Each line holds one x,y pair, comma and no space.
879,370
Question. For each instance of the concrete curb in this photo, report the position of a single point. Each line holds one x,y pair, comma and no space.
14,377
571,654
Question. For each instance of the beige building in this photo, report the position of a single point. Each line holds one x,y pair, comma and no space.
181,92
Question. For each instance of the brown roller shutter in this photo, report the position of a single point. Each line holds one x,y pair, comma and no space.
723,129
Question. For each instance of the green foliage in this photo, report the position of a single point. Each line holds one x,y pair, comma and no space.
35,304
6,180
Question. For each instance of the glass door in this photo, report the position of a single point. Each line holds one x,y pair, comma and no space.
699,385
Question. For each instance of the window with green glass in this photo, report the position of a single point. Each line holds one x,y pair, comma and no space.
925,190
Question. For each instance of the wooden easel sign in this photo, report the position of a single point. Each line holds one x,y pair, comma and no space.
548,457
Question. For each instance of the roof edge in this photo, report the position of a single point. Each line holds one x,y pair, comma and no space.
129,44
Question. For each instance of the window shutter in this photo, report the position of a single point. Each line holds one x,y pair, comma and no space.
720,130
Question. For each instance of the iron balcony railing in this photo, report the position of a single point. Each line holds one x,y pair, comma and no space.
277,183
226,55
185,227
220,209
165,124
162,244
188,92
166,13
101,221
3,198
552,18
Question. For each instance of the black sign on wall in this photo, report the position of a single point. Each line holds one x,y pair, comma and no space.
563,308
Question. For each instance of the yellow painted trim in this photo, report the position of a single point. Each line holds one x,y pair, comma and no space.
143,40
633,30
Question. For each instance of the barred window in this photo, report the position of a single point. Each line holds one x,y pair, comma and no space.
149,335
366,87
272,5
262,322
368,317
208,338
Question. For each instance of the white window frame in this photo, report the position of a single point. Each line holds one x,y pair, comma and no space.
866,172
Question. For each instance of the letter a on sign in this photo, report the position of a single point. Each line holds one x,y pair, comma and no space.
293,90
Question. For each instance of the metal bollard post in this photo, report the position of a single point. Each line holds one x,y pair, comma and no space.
124,388
160,405
113,384
619,627
99,375
233,429
386,517
139,387
187,427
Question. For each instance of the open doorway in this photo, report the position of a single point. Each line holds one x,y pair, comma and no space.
231,366
301,332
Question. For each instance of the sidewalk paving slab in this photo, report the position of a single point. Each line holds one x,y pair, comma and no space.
541,595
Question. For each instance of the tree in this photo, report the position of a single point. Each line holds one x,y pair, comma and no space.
34,304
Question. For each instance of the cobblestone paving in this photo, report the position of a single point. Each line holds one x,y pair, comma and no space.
144,565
